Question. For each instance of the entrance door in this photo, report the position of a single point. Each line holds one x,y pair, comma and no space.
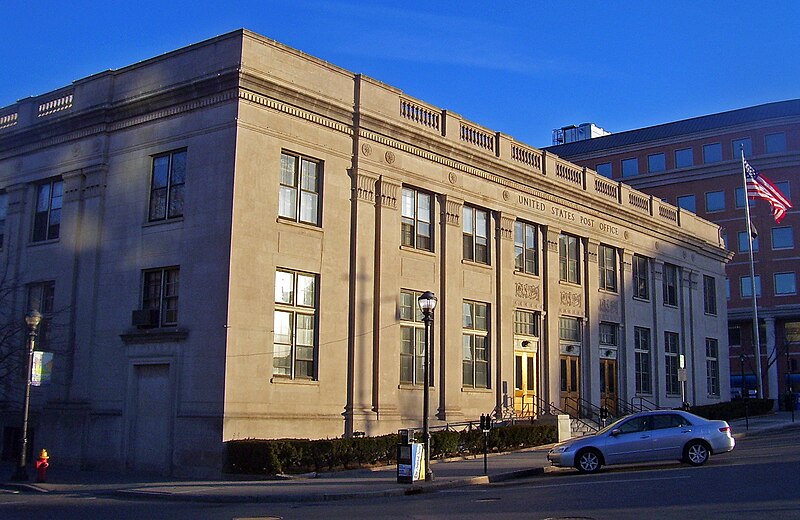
524,384
608,385
570,387
152,420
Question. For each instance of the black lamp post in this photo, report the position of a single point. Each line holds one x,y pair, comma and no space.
32,320
427,302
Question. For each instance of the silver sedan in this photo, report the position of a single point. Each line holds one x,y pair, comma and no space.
645,437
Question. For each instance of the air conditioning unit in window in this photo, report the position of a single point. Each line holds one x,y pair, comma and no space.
144,318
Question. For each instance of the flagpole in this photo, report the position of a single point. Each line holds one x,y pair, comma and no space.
756,332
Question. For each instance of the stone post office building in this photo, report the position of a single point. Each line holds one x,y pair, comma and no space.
228,241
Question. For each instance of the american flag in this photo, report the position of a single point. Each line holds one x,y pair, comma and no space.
759,187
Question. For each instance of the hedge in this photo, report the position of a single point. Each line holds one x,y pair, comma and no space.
293,456
735,409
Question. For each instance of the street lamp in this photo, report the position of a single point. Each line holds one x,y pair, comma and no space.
32,320
427,302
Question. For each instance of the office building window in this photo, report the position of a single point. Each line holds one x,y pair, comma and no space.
3,215
604,169
740,199
775,143
417,219
712,153
744,242
41,297
160,294
412,341
785,284
783,186
671,363
734,335
737,145
167,185
526,247
684,158
476,234
712,366
710,295
782,238
715,201
300,183
670,284
746,286
607,260
642,360
568,261
609,334
641,277
630,167
688,202
295,325
569,330
47,221
727,288
656,163
526,323
475,343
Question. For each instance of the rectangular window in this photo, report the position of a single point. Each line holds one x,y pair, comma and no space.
737,145
300,183
712,366
630,167
167,185
41,297
160,294
568,262
604,169
526,247
712,153
688,202
476,234
775,143
715,201
783,186
47,221
609,336
744,242
3,215
412,341
740,199
475,344
710,295
746,286
641,339
295,325
641,277
417,219
727,288
684,158
782,238
656,163
671,353
785,284
734,335
569,329
607,260
526,323
670,284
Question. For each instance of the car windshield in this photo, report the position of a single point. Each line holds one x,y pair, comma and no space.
611,426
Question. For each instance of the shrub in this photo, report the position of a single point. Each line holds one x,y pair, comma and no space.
735,409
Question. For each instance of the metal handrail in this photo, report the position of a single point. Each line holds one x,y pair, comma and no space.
642,400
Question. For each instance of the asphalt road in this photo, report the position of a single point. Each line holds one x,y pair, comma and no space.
759,479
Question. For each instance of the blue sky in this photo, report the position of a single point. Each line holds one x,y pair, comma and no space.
521,68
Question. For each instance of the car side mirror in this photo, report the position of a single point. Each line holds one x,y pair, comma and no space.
615,432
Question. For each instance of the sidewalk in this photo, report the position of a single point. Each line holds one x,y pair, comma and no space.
328,486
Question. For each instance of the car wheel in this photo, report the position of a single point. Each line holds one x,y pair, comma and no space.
588,461
696,453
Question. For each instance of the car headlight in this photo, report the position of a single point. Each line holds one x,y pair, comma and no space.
560,449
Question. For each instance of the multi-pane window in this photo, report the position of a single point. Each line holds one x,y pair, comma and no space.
167,185
568,263
609,336
688,202
712,366
41,296
740,199
604,169
744,242
160,294
300,188
526,248
641,348
715,201
709,294
774,143
671,354
656,163
412,340
746,286
47,221
746,144
526,323
712,153
607,260
295,325
417,219
782,238
785,284
630,167
475,345
641,277
476,234
684,158
734,335
3,214
569,330
670,284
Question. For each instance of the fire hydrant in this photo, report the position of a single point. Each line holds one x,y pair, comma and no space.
41,466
